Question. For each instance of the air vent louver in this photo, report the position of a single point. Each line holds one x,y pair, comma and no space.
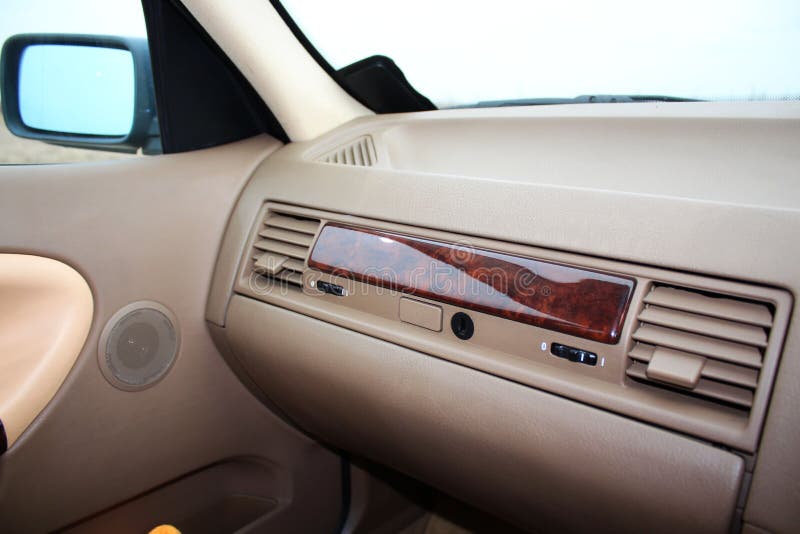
358,153
710,346
282,246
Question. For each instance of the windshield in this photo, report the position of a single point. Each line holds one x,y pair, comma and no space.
461,53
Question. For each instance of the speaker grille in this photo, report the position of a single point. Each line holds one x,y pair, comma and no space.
138,345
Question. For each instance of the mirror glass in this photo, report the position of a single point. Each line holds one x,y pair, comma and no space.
77,89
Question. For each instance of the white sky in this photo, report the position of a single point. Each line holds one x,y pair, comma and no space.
458,52
109,17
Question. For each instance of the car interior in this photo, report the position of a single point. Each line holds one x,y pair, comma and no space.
319,302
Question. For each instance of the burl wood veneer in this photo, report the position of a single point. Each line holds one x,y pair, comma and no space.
566,299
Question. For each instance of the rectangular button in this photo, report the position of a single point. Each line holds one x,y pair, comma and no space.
331,289
421,314
572,354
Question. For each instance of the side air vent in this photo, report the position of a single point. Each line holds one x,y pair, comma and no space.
359,153
702,344
282,245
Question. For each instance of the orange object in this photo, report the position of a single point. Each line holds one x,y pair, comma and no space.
165,529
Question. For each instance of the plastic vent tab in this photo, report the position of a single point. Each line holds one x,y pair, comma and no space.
282,246
711,346
358,153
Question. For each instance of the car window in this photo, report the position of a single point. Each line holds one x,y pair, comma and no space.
508,52
92,95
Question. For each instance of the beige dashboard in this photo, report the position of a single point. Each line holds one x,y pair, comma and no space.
684,421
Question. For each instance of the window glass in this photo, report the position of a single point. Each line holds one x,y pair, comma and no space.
462,53
101,78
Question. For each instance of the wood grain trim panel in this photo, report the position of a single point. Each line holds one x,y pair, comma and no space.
571,300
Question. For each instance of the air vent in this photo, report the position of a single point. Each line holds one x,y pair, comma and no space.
701,344
359,153
282,245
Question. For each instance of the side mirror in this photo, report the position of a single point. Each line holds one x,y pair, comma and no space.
85,91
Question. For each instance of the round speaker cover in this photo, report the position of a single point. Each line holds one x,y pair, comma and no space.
138,345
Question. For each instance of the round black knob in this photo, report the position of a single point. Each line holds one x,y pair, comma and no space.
462,325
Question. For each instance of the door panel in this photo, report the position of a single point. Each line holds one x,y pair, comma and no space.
145,229
45,314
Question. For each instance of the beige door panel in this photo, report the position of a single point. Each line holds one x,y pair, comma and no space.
145,229
45,313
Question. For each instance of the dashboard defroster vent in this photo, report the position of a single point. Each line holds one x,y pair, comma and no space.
358,153
707,345
282,245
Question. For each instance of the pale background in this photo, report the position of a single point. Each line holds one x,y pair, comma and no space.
462,52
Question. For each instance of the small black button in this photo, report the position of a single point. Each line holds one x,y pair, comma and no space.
331,289
572,354
557,349
462,325
585,357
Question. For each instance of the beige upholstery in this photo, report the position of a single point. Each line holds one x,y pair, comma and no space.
45,313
